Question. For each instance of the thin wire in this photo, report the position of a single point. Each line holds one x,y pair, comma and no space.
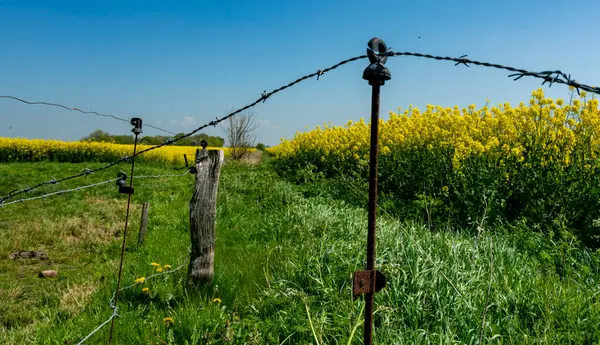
148,278
112,324
76,189
115,309
114,314
79,110
166,175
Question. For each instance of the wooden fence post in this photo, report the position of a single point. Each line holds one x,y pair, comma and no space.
143,223
203,214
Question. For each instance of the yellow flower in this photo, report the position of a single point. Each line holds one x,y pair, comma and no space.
167,267
146,291
140,280
217,300
154,264
445,189
159,270
169,321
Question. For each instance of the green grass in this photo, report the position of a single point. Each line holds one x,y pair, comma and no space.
283,266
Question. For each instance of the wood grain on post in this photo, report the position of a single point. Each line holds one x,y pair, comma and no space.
203,214
143,223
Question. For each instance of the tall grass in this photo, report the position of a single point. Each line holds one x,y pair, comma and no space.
284,261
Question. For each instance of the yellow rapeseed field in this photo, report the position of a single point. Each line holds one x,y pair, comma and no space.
556,127
21,150
536,161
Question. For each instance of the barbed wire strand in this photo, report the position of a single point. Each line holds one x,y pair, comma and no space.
548,77
76,189
115,309
79,110
58,192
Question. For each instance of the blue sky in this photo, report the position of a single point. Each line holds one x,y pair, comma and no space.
181,64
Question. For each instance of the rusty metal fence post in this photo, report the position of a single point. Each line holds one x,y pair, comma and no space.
370,280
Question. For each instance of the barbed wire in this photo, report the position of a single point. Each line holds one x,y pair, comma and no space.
79,110
115,308
547,77
2,204
264,96
76,189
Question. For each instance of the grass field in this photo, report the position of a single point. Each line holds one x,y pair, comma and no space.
284,258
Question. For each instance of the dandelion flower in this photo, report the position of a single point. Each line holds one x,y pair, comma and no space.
217,300
167,267
146,291
159,270
154,264
168,321
140,280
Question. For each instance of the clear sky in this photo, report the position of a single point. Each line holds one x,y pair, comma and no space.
179,64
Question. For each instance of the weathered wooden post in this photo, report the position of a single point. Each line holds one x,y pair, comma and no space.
203,213
143,223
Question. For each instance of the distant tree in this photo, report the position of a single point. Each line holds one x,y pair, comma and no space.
260,146
97,135
239,132
101,136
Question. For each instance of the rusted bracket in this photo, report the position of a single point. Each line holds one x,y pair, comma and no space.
367,281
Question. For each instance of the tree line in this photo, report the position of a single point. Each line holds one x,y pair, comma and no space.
101,136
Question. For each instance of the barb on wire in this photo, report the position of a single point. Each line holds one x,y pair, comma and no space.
76,189
114,307
549,77
264,96
79,110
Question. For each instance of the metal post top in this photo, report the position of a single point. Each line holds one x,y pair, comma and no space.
376,73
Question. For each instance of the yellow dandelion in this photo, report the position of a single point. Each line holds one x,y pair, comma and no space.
217,300
140,280
167,267
169,321
146,291
159,270
154,264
